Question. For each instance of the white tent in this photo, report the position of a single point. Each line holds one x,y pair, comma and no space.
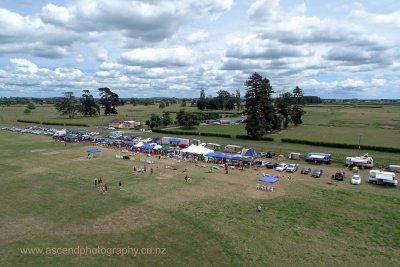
198,150
157,147
140,144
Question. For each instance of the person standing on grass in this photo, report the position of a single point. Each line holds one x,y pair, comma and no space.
151,170
144,168
105,188
95,182
259,208
186,179
120,185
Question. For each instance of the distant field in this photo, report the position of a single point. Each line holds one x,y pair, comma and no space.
49,114
377,125
48,201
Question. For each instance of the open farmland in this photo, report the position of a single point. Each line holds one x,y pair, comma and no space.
48,201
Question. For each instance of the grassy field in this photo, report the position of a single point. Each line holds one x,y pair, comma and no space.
48,201
47,113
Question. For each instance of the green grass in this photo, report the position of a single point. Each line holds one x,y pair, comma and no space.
48,200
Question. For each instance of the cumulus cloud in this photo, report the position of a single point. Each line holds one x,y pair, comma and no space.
254,47
159,57
197,37
359,12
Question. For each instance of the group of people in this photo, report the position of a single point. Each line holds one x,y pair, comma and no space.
98,183
265,188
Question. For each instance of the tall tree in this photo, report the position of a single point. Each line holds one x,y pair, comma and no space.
189,119
237,99
259,109
183,103
166,119
255,123
202,102
68,105
89,106
155,121
265,104
109,100
298,106
284,103
162,104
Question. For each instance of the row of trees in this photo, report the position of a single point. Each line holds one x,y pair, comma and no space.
69,105
265,115
185,119
223,100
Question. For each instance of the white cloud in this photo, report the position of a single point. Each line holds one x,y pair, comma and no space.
152,57
214,44
197,37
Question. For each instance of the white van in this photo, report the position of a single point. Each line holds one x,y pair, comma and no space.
382,178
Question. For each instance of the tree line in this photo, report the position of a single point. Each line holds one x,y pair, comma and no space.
223,100
69,105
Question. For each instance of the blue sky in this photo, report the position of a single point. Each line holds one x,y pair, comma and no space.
333,49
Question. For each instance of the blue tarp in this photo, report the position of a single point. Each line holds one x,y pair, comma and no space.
236,158
269,179
93,150
147,147
250,152
219,156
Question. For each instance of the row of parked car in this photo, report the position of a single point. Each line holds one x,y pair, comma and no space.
317,173
293,167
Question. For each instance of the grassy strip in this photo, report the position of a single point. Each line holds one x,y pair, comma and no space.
341,145
247,137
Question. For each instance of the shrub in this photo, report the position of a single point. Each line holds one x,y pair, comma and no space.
53,123
27,121
76,124
216,135
248,137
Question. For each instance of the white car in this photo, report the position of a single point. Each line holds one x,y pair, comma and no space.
356,179
281,167
292,167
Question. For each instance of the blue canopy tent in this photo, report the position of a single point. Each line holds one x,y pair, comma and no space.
93,150
250,153
269,179
236,158
174,140
147,147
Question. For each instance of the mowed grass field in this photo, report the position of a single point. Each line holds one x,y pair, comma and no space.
377,125
47,200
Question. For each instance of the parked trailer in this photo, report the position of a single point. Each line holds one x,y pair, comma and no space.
319,158
382,178
364,161
165,140
293,155
232,149
213,146
393,168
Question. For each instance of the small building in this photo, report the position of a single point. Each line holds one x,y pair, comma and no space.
120,124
